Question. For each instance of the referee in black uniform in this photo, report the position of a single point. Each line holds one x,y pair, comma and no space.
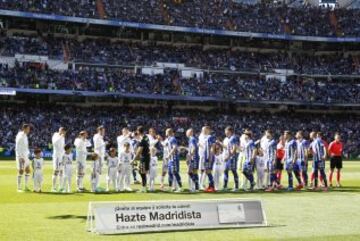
143,153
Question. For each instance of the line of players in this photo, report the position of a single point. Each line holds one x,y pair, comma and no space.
207,158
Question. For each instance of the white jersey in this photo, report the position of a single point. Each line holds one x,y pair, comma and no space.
96,167
264,141
67,160
58,142
121,140
38,173
218,170
38,164
125,158
153,141
218,162
81,145
225,148
153,162
260,163
125,170
99,145
202,144
22,145
112,162
153,170
242,148
242,142
166,150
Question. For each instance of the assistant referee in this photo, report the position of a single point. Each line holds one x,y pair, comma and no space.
335,151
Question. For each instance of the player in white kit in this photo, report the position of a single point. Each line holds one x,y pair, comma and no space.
81,144
202,144
37,165
219,167
260,166
99,148
58,143
22,153
112,174
153,169
241,160
165,162
264,141
153,138
125,168
125,137
95,173
67,169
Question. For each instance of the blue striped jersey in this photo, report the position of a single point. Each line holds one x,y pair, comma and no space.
290,150
302,146
270,150
209,141
232,142
193,145
172,143
248,150
317,147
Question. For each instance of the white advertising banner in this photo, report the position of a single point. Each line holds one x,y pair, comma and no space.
152,71
4,91
150,216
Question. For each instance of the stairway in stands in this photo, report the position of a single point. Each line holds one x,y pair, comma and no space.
66,51
164,12
100,8
334,23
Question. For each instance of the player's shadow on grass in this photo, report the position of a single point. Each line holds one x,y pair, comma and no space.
57,193
68,216
346,189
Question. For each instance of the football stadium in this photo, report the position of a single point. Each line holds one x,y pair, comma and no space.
179,120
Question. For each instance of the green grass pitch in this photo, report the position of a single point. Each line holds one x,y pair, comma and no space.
334,215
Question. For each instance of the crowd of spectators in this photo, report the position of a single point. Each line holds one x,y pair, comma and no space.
103,51
75,8
229,86
215,14
46,119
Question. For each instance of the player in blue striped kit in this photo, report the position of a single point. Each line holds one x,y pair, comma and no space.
193,154
231,157
302,157
174,160
249,156
270,158
319,155
290,159
209,155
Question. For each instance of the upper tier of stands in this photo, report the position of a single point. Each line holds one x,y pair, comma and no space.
211,14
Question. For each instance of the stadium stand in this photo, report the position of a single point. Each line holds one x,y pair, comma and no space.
105,74
263,18
47,119
103,51
232,87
